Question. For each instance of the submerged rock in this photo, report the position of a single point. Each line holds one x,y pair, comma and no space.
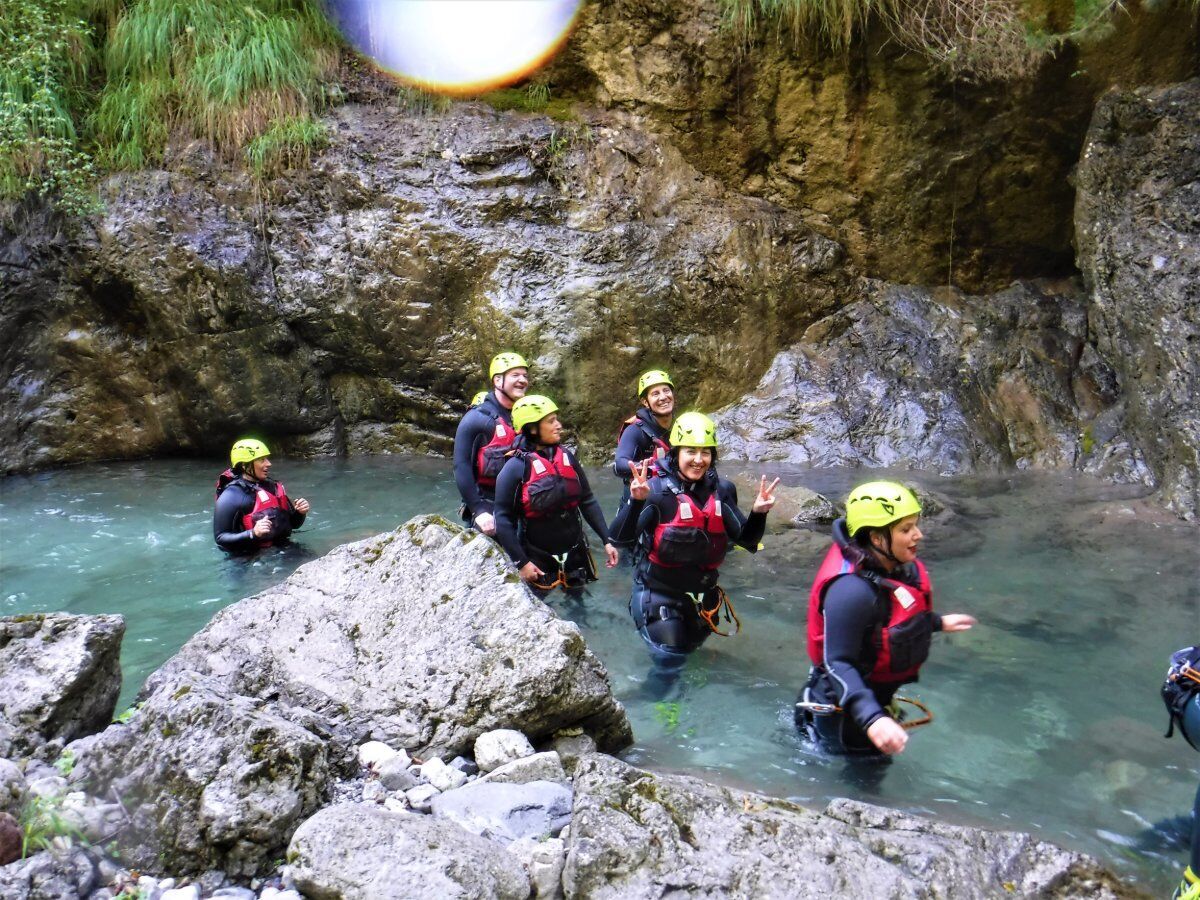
638,835
61,677
423,637
361,852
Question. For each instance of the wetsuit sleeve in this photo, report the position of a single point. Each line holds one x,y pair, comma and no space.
227,521
589,505
746,531
630,448
472,434
507,509
849,618
636,517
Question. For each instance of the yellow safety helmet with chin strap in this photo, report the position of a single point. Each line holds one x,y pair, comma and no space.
651,378
531,408
506,362
878,504
694,429
247,450
478,398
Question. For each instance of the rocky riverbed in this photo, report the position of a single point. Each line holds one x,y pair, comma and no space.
402,718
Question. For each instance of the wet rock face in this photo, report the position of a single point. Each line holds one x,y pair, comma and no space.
1139,250
637,835
935,380
61,677
423,637
923,178
353,306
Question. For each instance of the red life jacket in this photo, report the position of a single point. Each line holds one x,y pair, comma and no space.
658,447
902,642
272,506
551,486
494,454
695,537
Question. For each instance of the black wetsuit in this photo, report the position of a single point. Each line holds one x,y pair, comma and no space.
665,614
637,443
540,540
475,431
234,502
854,610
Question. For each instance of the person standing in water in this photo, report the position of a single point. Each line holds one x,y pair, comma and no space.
485,435
644,435
870,622
251,511
1181,694
685,517
540,494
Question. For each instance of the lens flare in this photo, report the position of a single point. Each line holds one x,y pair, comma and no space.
457,46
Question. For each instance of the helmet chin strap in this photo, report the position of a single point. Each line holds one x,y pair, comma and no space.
888,552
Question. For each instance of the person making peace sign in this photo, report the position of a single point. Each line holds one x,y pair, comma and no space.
685,517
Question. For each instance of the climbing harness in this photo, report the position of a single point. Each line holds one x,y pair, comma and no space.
712,617
893,710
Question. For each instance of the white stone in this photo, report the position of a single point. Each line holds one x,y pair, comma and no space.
191,892
442,776
495,748
420,798
539,767
372,753
396,803
544,861
373,792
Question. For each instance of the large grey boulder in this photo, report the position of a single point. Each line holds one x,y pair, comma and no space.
59,678
361,852
424,637
638,835
910,377
1137,236
211,779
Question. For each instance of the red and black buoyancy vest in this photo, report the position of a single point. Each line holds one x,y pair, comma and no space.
267,504
658,447
902,641
494,454
551,486
695,537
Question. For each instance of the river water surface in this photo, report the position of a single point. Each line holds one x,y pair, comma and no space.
1047,715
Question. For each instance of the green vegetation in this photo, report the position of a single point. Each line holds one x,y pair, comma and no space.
992,39
65,764
88,84
533,97
41,821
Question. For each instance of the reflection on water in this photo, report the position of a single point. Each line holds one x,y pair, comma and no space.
1047,714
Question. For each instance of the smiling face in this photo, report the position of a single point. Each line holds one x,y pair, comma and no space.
660,400
906,537
694,462
514,383
549,430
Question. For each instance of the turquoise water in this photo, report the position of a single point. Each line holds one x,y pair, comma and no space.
1047,714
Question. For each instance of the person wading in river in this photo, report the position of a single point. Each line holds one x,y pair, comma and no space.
645,434
252,511
540,494
686,518
870,620
484,436
1181,694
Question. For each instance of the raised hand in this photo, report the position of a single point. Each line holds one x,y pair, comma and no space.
301,506
766,496
639,485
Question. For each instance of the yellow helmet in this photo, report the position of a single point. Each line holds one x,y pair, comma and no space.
478,398
247,450
878,504
506,362
651,378
694,429
531,408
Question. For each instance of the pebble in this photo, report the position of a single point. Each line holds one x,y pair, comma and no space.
396,803
276,894
191,892
464,765
442,776
373,792
235,893
395,775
